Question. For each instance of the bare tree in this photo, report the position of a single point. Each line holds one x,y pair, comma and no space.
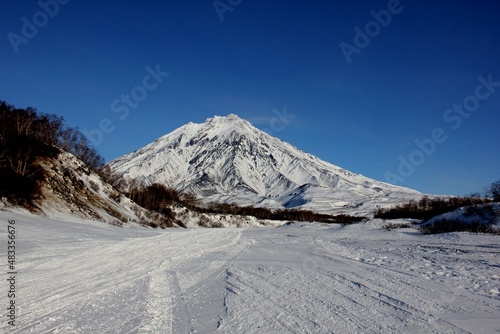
495,191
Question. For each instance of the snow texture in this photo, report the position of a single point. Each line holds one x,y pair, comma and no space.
90,277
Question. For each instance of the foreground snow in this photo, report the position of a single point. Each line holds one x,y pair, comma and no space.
84,277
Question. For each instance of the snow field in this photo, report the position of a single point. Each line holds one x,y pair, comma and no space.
87,277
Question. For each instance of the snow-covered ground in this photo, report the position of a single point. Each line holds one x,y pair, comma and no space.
88,277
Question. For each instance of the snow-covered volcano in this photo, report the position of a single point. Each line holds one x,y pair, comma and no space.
226,159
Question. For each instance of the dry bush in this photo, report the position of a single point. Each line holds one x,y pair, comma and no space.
204,221
393,226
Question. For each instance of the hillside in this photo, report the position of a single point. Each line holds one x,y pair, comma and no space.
71,191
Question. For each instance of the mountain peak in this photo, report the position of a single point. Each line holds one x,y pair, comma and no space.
225,119
222,126
232,117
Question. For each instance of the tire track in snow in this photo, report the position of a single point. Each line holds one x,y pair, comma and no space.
346,293
108,283
410,280
385,288
57,294
159,302
173,287
199,290
256,306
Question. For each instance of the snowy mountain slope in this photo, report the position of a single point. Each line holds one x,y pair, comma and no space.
88,277
228,160
71,191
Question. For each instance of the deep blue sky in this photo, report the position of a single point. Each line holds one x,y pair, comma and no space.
267,55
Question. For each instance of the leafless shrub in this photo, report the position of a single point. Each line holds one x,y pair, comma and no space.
393,226
204,221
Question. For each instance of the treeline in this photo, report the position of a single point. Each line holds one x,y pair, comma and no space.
280,214
25,136
159,198
427,208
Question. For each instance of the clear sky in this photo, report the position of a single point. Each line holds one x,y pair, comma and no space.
360,81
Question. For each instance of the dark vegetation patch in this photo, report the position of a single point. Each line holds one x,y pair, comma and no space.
26,137
427,208
455,225
393,226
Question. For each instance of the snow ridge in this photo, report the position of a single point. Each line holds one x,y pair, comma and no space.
226,159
